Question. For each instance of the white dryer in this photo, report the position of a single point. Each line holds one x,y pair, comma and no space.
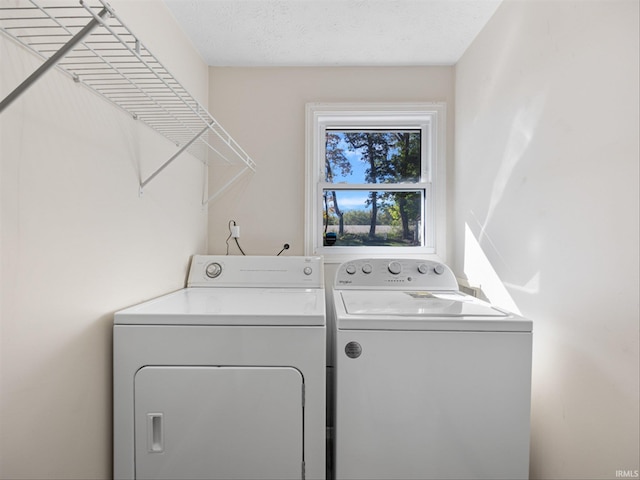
430,383
224,379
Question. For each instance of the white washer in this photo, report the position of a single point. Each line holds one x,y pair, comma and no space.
430,383
224,379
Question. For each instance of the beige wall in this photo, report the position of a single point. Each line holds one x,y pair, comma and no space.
545,178
78,243
546,184
264,110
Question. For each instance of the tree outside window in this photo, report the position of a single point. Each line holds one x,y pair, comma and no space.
375,180
354,158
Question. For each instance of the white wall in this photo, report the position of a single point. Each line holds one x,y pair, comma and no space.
546,184
78,243
264,110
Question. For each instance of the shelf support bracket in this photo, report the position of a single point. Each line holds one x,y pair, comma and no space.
51,61
173,157
226,185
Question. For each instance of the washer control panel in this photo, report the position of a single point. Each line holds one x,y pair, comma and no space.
414,274
255,271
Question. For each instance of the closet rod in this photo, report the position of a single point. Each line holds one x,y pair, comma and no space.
53,59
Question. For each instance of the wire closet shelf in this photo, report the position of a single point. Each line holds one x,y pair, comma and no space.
94,47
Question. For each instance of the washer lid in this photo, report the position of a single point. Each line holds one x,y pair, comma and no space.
422,310
230,306
421,303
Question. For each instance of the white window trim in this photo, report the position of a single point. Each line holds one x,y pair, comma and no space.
321,116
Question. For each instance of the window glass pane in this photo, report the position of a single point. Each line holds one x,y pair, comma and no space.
372,156
373,218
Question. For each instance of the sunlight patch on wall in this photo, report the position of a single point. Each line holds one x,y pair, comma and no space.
479,271
532,287
520,137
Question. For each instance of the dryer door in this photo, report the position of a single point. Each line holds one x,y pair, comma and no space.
218,423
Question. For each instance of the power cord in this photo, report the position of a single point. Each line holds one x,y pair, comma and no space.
284,247
234,231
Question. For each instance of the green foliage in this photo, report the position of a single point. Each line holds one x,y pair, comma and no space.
390,156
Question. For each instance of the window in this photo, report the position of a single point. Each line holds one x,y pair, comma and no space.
375,180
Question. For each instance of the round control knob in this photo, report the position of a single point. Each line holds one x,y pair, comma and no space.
422,268
351,269
213,270
367,268
439,269
395,268
307,270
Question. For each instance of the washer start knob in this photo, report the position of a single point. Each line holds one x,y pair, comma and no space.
395,268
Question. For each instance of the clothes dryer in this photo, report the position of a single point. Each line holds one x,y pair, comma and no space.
224,379
430,383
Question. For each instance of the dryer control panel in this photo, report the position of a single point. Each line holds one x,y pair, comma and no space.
394,273
256,271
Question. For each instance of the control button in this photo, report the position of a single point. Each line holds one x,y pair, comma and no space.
439,269
351,269
395,268
422,268
213,270
367,268
307,270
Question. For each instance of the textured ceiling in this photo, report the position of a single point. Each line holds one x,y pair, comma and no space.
332,32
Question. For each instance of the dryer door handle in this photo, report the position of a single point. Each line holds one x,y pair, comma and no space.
155,434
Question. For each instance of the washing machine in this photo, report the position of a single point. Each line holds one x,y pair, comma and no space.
430,383
224,379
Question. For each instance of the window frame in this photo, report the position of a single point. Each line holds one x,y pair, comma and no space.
429,118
